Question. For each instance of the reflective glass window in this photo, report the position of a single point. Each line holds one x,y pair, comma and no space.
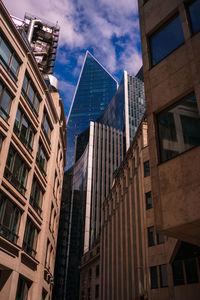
42,159
151,238
10,216
165,40
148,198
30,238
30,94
5,102
146,168
178,275
179,128
36,196
194,13
22,289
24,129
154,277
160,238
46,126
8,58
16,170
191,270
163,276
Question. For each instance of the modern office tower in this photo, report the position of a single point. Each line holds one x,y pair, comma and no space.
170,48
94,91
137,262
99,150
42,37
32,159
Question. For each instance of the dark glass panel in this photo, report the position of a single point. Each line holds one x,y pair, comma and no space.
178,275
151,239
166,39
31,93
148,200
154,277
5,103
25,83
146,169
160,238
5,52
191,270
194,12
185,126
163,276
14,66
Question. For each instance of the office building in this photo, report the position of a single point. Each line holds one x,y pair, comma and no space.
136,261
170,32
94,91
32,146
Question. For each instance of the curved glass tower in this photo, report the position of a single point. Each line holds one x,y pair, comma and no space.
94,91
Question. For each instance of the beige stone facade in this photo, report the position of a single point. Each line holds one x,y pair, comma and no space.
136,261
90,274
32,159
171,76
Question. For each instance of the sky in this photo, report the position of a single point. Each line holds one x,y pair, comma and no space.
109,29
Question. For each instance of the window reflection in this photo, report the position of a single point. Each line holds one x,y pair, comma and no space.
179,128
165,40
194,12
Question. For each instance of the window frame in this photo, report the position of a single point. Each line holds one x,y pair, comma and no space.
12,177
18,129
5,113
42,168
36,204
158,30
25,93
12,232
46,118
187,5
13,55
148,206
153,242
32,248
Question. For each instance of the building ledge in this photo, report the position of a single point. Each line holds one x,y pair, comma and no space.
29,261
8,247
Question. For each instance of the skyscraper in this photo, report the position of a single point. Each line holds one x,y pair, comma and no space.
94,91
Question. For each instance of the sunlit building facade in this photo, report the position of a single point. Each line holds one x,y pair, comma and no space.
32,159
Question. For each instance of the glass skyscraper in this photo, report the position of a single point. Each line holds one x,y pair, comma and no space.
94,91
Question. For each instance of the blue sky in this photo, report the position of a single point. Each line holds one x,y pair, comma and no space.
109,29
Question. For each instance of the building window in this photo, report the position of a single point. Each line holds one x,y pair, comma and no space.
16,170
10,216
148,198
194,12
30,94
46,127
36,196
8,58
160,238
146,169
89,294
165,40
24,130
90,274
154,277
22,289
5,102
97,271
30,238
163,276
151,239
178,275
42,159
97,291
179,128
1,140
191,270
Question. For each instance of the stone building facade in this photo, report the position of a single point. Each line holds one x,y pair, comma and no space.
136,261
32,159
170,32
